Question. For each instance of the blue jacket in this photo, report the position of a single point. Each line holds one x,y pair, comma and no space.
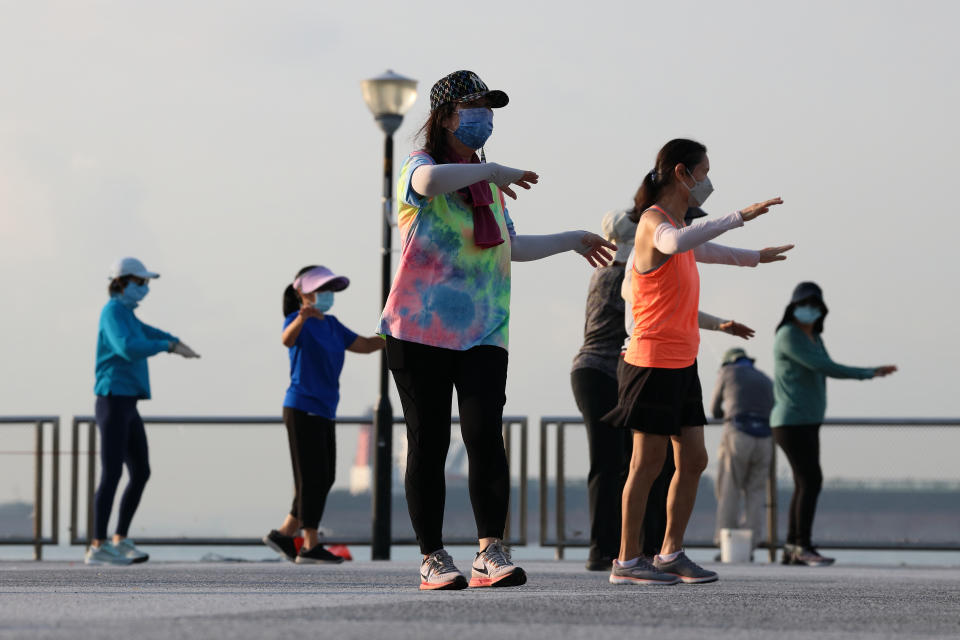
123,346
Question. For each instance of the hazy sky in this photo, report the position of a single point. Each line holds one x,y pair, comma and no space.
226,144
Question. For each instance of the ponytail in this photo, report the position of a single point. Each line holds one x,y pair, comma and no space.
291,299
689,153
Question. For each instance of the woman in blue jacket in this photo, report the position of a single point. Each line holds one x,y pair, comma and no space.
123,346
317,342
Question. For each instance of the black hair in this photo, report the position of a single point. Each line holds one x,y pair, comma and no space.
117,285
291,299
814,300
434,134
689,153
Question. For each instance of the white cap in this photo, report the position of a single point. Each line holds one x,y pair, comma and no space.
130,267
618,228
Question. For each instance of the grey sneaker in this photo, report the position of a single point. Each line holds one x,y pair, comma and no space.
437,571
686,569
810,557
493,567
127,549
106,553
641,573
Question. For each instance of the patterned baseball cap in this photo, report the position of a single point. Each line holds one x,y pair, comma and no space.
464,86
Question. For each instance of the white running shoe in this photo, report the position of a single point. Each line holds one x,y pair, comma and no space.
129,550
106,553
437,572
493,568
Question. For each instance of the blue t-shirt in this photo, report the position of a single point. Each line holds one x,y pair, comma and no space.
316,360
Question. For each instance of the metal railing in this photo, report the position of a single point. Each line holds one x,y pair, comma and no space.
560,542
37,540
91,451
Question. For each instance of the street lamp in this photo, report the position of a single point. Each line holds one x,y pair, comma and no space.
388,96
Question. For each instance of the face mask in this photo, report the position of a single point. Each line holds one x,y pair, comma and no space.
324,301
807,314
475,128
134,293
700,191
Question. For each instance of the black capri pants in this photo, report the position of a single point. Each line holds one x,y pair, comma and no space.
313,452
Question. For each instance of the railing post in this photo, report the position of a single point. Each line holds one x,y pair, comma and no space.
544,496
772,508
91,474
561,494
55,507
523,481
506,433
38,493
74,478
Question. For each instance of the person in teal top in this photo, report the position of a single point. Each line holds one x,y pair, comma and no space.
123,345
801,368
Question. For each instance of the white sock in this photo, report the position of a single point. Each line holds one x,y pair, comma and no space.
670,557
627,564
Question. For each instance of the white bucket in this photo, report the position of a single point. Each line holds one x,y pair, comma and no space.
735,545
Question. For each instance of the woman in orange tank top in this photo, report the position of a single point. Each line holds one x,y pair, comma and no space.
660,397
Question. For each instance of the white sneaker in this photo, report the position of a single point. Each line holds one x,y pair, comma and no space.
437,571
106,553
493,568
129,550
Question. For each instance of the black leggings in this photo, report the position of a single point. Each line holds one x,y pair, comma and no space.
425,378
801,444
313,452
609,449
123,441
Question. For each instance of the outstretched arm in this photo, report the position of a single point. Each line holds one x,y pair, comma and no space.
669,240
367,344
430,180
798,347
596,250
734,328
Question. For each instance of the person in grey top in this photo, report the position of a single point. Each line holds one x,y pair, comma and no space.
743,397
594,381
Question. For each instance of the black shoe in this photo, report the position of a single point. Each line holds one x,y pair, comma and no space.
317,555
812,558
599,564
282,544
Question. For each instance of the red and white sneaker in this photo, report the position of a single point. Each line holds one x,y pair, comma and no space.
437,572
493,568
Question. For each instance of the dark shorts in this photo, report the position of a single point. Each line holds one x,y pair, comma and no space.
657,401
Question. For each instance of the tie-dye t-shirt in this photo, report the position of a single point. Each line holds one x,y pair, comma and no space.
447,291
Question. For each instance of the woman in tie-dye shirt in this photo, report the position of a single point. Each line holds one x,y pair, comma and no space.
446,320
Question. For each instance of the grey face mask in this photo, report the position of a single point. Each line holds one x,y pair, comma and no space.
700,191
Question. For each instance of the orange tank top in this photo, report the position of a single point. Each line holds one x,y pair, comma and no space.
666,334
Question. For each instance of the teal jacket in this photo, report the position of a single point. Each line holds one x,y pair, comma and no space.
800,371
123,346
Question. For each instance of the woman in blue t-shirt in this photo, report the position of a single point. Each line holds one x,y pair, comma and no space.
317,342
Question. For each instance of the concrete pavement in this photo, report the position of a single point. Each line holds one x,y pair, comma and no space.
380,600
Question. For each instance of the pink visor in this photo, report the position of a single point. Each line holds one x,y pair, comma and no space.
320,277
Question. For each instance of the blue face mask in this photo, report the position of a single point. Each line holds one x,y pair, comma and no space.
134,293
324,301
807,314
475,128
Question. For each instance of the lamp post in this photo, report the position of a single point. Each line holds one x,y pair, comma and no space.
388,96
